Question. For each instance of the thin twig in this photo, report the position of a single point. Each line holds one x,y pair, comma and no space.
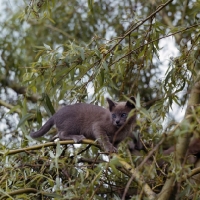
152,41
142,22
9,106
127,187
151,152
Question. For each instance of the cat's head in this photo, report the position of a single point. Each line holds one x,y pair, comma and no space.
119,111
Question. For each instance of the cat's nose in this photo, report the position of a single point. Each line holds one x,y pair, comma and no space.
117,122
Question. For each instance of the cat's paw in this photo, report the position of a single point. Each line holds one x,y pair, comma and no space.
110,149
78,138
54,138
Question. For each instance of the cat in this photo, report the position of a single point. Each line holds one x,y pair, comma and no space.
108,126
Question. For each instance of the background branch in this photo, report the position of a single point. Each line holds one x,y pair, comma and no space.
9,106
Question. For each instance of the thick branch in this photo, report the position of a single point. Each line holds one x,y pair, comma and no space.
138,178
183,141
167,189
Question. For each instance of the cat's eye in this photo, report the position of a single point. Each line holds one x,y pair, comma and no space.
123,115
114,116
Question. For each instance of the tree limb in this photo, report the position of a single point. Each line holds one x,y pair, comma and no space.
192,173
183,141
48,144
136,175
167,189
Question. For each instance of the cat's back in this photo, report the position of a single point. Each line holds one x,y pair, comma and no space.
81,111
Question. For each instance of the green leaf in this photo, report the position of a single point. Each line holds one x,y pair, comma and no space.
27,76
26,9
138,105
58,149
50,19
24,119
90,5
48,105
81,50
101,77
51,154
66,70
39,47
14,108
105,65
39,116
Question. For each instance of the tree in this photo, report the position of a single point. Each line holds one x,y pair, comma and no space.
56,53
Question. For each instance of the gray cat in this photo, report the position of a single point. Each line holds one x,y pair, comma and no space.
108,126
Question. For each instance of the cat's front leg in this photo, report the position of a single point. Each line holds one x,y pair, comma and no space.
107,146
103,140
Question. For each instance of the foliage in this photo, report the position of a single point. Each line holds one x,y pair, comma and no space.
62,52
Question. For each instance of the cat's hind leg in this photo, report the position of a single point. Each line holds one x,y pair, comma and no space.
77,138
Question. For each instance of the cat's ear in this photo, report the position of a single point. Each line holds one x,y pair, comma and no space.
111,104
131,104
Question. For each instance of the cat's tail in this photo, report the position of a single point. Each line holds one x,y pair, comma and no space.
46,127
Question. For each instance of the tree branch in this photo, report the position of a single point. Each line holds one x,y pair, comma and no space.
183,141
167,189
136,175
192,173
9,106
48,144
